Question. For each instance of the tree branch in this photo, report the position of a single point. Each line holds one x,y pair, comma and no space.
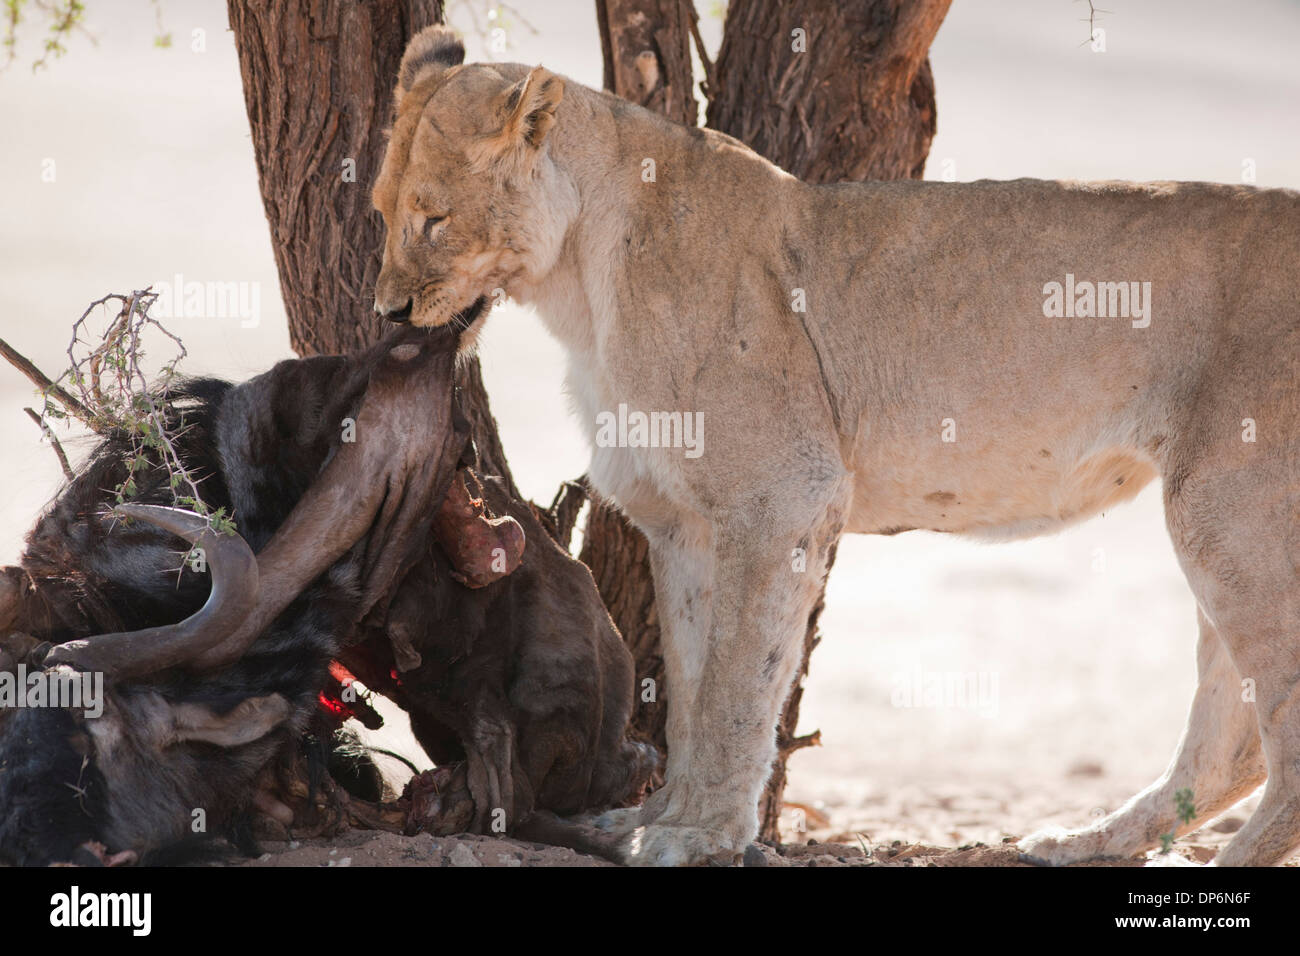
693,18
42,381
68,473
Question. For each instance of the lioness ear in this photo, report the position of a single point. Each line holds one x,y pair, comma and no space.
431,51
528,109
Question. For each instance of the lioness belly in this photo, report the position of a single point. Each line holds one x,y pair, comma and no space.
1019,493
974,404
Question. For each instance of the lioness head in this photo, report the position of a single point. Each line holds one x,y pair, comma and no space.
473,205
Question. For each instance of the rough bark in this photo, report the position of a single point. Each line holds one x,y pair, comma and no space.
318,83
857,102
619,558
647,50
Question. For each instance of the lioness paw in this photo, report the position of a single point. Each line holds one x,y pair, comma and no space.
662,844
1160,860
1057,846
618,821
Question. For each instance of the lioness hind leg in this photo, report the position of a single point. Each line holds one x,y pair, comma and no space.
1266,648
1236,531
1269,656
1218,759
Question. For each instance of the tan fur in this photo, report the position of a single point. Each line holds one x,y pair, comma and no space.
924,320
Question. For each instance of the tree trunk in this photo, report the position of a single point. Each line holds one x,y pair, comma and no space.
857,104
647,50
849,98
619,558
318,85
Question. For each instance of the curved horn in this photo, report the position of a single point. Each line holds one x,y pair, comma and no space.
233,595
379,485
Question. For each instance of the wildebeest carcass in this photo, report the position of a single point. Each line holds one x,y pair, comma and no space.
369,551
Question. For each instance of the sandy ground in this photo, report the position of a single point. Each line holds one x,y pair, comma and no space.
1081,645
363,848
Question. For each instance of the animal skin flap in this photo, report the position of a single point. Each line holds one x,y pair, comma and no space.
481,549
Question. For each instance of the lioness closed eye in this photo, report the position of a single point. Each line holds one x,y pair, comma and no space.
863,365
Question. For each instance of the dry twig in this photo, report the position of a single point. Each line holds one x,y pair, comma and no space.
54,443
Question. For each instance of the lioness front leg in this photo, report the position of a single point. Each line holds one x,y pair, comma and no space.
733,615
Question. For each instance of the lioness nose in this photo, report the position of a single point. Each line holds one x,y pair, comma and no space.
399,316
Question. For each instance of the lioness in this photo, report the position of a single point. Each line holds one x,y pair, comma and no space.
997,359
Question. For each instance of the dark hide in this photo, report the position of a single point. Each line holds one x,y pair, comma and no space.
525,678
258,447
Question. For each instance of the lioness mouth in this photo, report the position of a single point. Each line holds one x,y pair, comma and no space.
463,319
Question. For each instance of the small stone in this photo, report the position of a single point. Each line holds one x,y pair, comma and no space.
462,855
